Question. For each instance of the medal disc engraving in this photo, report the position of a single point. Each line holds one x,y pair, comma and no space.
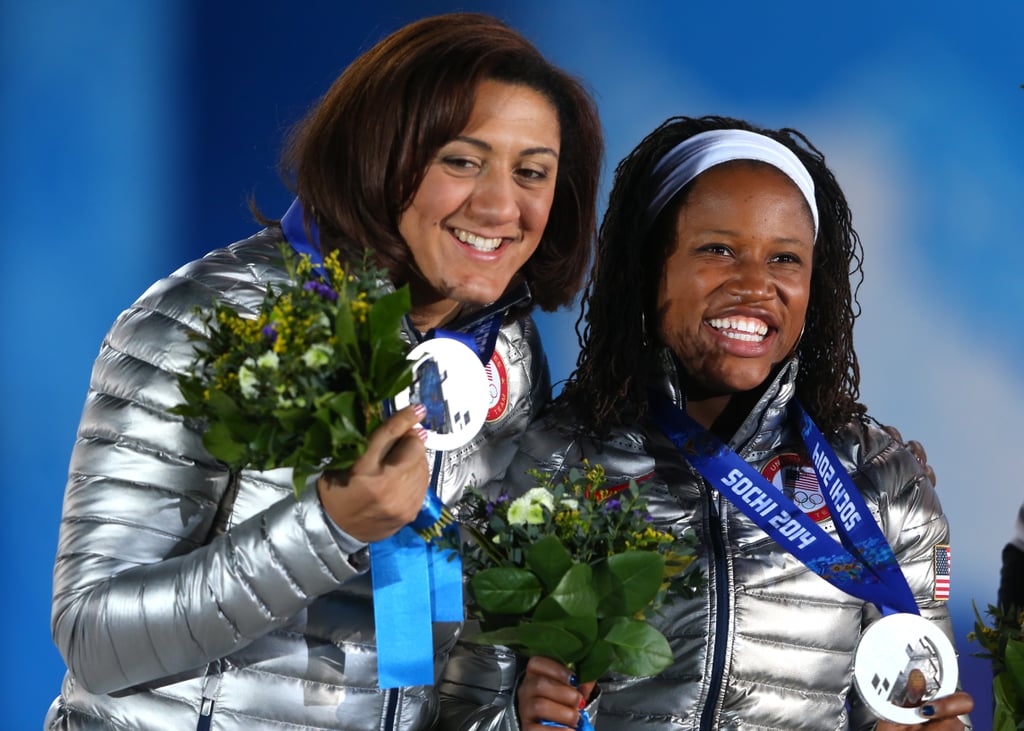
902,662
450,381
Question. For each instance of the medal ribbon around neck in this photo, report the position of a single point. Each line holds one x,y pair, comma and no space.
862,564
415,582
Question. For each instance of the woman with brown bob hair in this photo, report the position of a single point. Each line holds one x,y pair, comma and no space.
187,595
360,157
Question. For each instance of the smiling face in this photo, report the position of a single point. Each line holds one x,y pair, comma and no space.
734,294
481,209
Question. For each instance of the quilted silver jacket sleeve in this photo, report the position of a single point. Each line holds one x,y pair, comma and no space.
139,592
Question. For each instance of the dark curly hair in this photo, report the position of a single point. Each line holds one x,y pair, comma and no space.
609,384
360,154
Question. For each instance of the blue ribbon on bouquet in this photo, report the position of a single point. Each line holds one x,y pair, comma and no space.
861,564
415,582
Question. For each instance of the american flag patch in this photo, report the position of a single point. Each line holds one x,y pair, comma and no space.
940,561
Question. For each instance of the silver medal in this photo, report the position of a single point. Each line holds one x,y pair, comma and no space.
451,383
902,662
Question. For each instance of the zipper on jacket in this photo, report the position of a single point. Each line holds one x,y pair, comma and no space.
707,719
391,709
211,684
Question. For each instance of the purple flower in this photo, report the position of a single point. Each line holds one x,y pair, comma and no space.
270,332
321,289
612,505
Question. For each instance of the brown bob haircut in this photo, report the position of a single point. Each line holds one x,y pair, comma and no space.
359,156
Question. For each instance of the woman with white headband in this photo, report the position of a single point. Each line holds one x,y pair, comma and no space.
718,366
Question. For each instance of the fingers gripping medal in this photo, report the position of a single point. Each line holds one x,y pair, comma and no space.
902,662
450,382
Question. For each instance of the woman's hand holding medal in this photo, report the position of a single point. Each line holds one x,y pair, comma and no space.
941,714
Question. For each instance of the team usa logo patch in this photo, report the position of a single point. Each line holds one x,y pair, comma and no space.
497,387
795,476
940,561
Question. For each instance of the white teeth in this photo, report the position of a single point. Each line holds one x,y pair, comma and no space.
477,242
740,328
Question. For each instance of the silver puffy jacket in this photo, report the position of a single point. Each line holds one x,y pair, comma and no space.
768,645
185,595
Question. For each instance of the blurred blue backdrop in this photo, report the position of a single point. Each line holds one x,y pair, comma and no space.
131,135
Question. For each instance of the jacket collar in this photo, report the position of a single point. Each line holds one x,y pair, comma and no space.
764,427
518,297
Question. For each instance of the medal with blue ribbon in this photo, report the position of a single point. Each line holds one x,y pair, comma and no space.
415,581
902,660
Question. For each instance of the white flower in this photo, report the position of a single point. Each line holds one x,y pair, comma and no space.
269,361
318,355
530,507
248,381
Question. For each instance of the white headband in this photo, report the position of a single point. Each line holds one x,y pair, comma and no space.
694,155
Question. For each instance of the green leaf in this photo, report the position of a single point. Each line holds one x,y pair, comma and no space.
536,638
293,420
222,406
191,389
596,662
219,442
627,582
299,477
385,316
505,590
1006,703
640,650
1008,689
338,408
585,628
317,439
388,364
549,559
1015,661
550,611
575,592
345,332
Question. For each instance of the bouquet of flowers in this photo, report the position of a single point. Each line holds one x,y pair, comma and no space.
1003,642
572,570
303,382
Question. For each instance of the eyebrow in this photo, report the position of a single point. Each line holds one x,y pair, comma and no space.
541,150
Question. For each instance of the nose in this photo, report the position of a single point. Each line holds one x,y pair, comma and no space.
751,281
493,199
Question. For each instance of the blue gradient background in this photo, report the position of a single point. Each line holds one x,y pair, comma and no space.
131,134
